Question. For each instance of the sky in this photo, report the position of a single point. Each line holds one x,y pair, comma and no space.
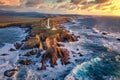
84,7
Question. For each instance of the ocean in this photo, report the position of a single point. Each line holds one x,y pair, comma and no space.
101,51
100,58
8,36
11,35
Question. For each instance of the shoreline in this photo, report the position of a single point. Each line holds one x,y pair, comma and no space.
37,56
43,48
34,39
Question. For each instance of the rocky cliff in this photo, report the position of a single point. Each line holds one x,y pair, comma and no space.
48,40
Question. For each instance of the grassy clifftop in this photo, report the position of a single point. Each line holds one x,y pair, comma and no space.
6,21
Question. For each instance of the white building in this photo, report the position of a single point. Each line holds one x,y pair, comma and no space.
48,23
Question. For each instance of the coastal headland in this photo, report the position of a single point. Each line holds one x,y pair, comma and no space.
41,38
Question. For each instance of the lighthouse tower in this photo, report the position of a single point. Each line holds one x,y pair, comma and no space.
48,23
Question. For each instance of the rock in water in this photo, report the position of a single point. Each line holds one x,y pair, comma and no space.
80,54
40,42
11,49
43,67
17,45
104,33
30,44
118,39
25,62
33,52
4,54
10,73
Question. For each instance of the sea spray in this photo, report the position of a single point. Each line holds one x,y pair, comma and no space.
79,72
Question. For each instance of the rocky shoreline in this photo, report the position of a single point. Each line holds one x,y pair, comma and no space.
48,40
45,43
46,51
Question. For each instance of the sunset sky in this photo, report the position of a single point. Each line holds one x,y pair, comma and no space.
88,7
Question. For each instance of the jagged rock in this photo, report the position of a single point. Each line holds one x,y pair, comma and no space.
11,49
44,39
26,62
17,45
10,73
78,36
76,60
77,49
32,52
43,67
104,33
49,42
74,56
53,54
40,42
73,52
60,45
19,54
80,54
54,58
50,54
118,39
4,54
57,36
65,54
30,44
66,37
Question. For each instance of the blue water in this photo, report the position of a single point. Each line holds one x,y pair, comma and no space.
97,70
100,63
11,35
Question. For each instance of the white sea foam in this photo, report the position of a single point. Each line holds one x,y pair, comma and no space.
87,36
109,41
83,68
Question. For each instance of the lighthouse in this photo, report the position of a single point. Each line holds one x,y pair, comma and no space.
48,23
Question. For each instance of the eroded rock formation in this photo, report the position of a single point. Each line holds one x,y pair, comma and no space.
48,40
54,50
10,73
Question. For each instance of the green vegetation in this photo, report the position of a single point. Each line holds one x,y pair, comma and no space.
52,32
40,27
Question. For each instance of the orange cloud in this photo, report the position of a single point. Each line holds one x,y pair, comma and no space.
10,2
92,7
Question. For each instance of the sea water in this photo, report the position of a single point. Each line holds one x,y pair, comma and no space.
11,35
101,52
100,60
8,36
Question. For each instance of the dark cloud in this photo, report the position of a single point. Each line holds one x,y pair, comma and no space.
101,1
76,1
59,1
88,1
32,3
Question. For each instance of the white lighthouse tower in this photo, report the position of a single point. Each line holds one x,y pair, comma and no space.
48,23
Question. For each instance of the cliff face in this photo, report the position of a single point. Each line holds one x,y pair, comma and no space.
48,40
53,48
